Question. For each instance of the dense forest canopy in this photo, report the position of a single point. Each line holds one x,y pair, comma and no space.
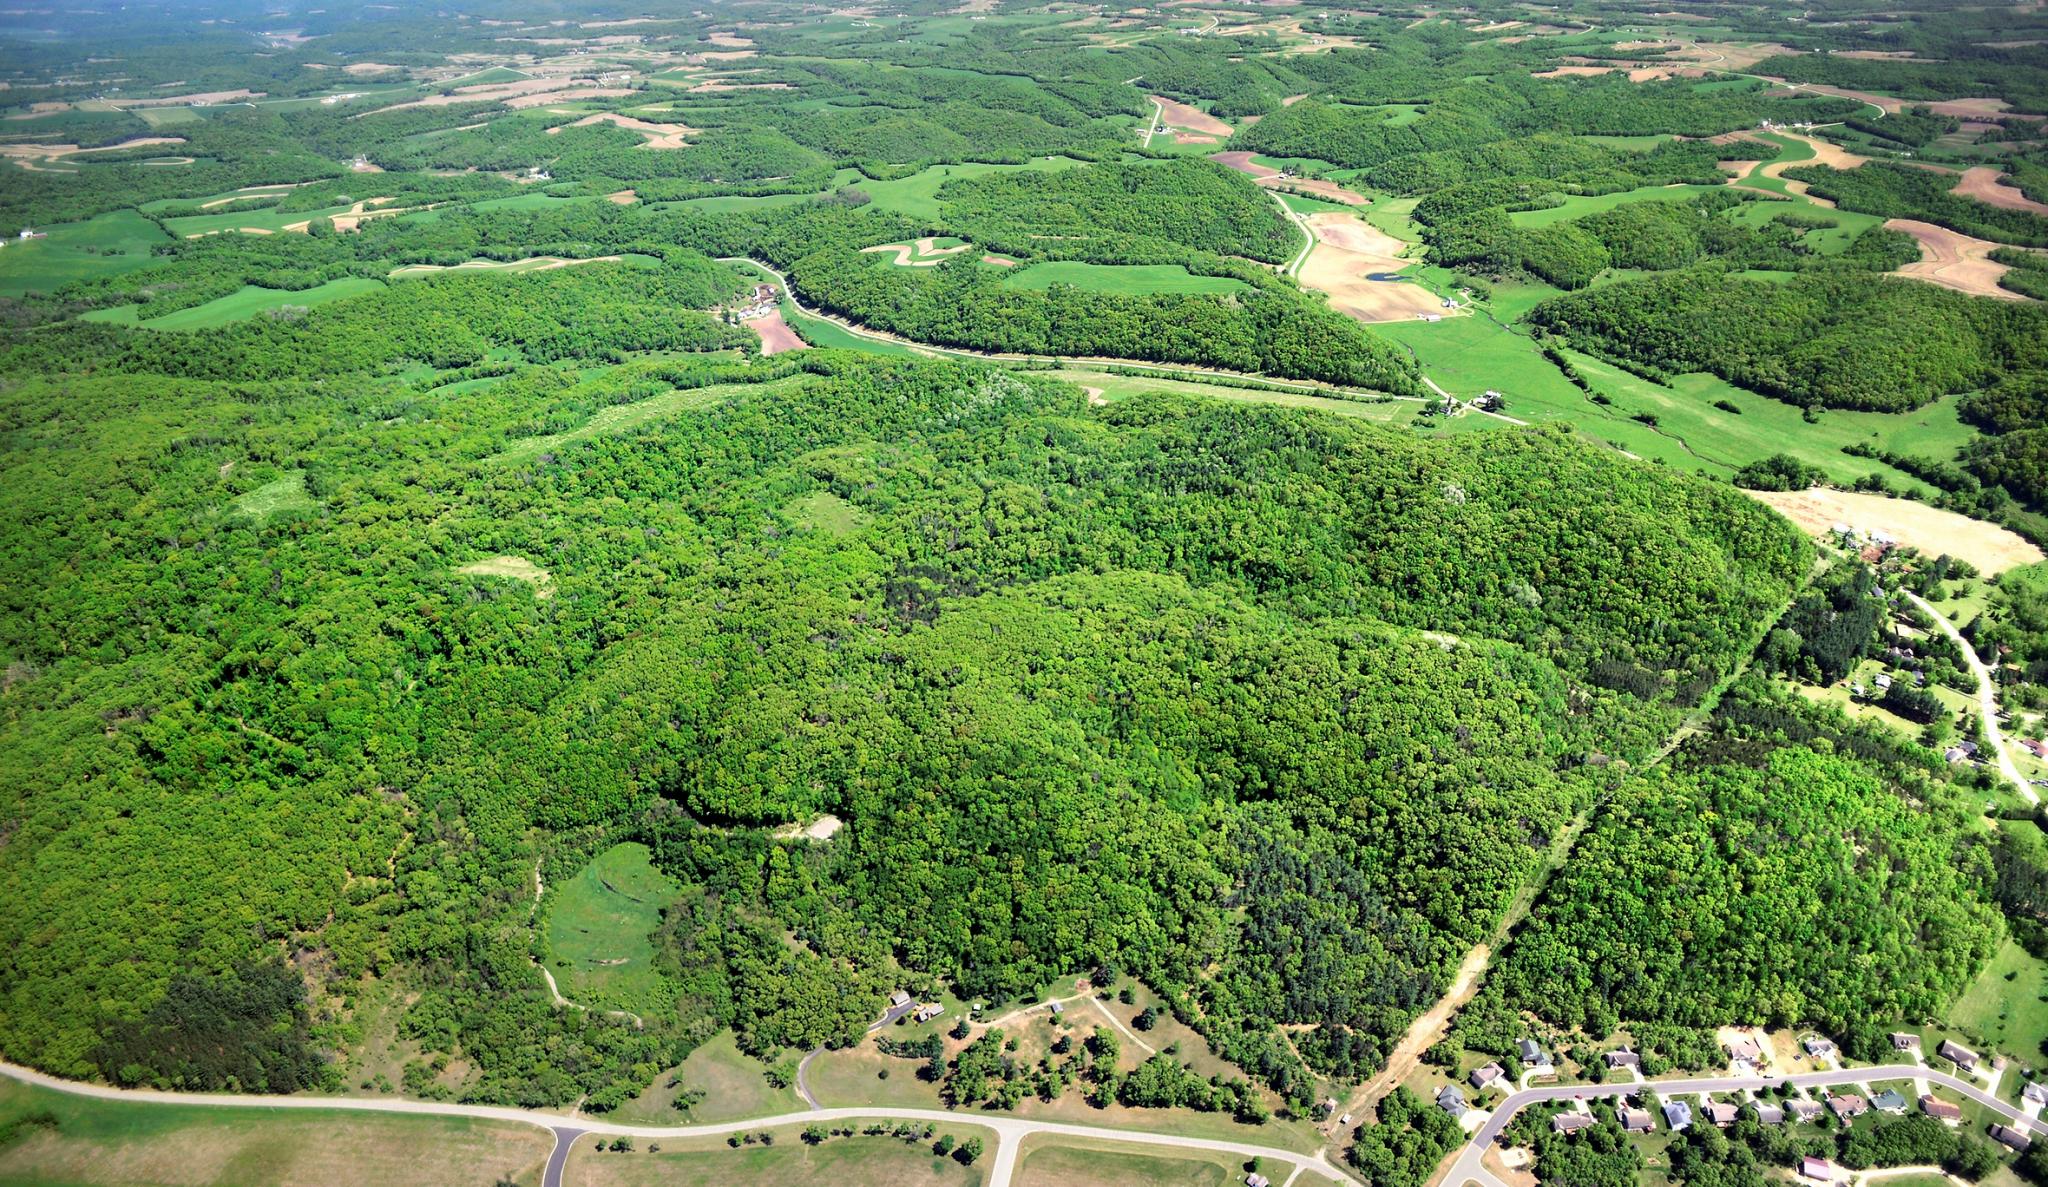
1246,505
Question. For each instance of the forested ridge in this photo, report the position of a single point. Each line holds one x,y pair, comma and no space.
1159,631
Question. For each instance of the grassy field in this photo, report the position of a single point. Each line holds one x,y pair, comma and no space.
1118,387
118,1143
2004,1006
823,511
1073,1162
1120,278
104,246
246,303
618,418
598,925
1580,206
272,498
819,332
917,194
733,1084
858,1161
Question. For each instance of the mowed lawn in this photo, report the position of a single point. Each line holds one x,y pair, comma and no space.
241,305
2004,1005
598,927
857,1161
1129,279
1061,1162
120,1143
109,244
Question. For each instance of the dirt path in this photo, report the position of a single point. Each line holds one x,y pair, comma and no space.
1987,699
554,991
1423,1033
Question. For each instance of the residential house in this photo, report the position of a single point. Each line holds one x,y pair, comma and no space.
1891,1100
1940,1109
899,998
1818,1169
1636,1120
1452,1101
1883,681
1677,1114
927,1011
1958,1054
2014,1138
1819,1048
1624,1058
2035,1093
1257,1180
1721,1113
1489,1076
1767,1113
1745,1049
1849,1105
1571,1122
1804,1110
1904,1041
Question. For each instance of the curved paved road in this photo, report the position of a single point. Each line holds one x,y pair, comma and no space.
1010,1131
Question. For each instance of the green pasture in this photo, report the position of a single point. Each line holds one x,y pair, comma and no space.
1076,1162
1578,206
619,418
1116,387
598,929
1305,205
2005,1007
241,305
272,221
819,332
78,1142
120,241
724,204
917,194
1130,279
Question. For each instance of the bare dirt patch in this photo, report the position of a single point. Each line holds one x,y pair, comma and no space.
1194,119
522,102
1243,163
658,135
518,568
1825,152
623,197
530,264
917,255
1576,72
1192,138
1348,255
1933,531
1953,260
775,334
1986,184
200,99
370,68
729,40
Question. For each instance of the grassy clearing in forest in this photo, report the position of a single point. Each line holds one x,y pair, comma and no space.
113,1143
272,498
1129,279
917,194
1580,206
245,303
598,926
